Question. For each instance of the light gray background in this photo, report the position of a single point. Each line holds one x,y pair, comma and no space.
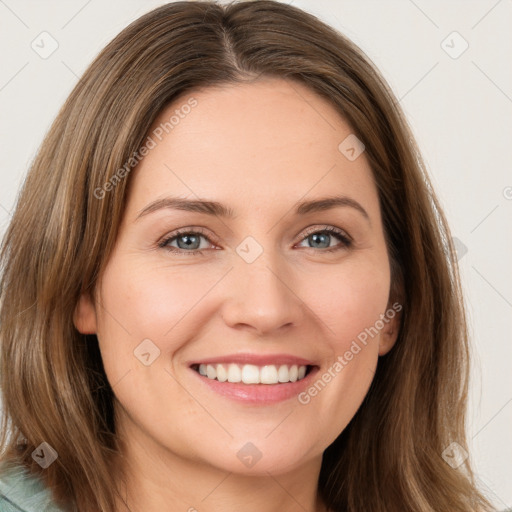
459,109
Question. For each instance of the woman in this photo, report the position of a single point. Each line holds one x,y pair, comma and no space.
267,372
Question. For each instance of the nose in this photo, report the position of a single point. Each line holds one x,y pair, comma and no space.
262,296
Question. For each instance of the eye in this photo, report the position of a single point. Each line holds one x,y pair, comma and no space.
322,238
188,240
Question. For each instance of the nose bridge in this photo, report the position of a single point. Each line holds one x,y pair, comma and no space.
261,294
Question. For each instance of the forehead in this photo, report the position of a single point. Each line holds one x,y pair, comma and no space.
272,139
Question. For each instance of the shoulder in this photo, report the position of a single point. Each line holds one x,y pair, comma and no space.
22,492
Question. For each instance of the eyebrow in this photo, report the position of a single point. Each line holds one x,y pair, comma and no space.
215,208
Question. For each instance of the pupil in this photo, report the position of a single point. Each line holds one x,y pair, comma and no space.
320,236
190,240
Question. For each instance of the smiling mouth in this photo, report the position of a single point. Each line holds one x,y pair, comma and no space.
253,374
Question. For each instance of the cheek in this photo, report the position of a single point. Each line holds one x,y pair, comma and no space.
138,305
351,301
147,303
349,304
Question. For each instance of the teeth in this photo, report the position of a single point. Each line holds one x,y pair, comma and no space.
211,371
251,374
234,373
268,375
222,374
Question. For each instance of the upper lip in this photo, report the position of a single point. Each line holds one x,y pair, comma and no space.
255,359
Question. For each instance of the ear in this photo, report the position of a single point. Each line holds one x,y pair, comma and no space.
389,333
84,316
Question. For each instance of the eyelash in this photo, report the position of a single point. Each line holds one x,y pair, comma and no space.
338,233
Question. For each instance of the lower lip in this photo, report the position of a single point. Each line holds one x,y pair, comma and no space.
259,394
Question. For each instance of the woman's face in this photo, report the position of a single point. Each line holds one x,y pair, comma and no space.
266,286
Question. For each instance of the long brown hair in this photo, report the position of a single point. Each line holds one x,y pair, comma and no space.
54,388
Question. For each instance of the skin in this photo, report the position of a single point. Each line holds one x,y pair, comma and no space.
258,148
